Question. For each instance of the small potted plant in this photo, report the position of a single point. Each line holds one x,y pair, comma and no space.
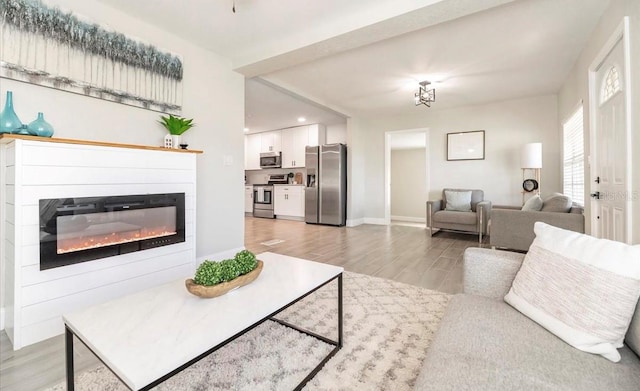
175,126
214,279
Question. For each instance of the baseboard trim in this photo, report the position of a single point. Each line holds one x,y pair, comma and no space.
292,218
1,318
410,219
354,222
226,254
375,221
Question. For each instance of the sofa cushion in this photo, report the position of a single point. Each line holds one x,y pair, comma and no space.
452,217
582,289
485,344
533,204
557,203
633,335
458,200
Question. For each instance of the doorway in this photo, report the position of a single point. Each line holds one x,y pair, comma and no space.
610,148
406,176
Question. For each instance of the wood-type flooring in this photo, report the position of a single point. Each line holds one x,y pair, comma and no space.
398,252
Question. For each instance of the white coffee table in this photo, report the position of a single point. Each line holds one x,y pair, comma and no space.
147,337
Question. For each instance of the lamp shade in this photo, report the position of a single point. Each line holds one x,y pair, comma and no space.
531,156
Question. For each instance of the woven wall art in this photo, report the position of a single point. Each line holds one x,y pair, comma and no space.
50,47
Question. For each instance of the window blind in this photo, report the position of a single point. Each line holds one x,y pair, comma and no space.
573,157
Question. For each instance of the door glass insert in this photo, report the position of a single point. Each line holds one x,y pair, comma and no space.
611,84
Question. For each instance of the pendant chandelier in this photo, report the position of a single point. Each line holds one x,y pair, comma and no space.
425,94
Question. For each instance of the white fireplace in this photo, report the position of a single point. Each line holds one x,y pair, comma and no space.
33,169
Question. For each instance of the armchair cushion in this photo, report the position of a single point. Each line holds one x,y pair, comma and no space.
476,196
458,200
453,217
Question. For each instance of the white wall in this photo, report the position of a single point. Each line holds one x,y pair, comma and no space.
337,133
213,96
508,125
408,184
356,170
576,88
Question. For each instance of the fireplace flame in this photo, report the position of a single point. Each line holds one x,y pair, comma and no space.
96,241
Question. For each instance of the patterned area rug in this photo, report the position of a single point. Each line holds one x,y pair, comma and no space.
388,327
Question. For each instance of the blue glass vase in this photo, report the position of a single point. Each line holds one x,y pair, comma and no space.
40,127
9,121
22,130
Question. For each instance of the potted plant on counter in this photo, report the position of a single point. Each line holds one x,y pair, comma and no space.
176,126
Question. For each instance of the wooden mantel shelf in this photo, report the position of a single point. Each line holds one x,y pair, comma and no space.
8,137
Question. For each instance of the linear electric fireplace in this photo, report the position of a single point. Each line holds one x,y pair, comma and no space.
74,230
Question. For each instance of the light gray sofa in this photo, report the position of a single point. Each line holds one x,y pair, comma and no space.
512,228
485,344
475,221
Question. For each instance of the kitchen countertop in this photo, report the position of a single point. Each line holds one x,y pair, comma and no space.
277,184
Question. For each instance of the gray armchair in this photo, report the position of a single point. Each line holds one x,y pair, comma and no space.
475,221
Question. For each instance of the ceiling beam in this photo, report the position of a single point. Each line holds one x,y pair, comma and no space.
430,15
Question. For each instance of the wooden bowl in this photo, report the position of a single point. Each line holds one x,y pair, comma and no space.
208,292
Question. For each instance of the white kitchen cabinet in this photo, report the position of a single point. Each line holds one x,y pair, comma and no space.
295,140
291,142
288,201
317,135
271,141
252,149
248,199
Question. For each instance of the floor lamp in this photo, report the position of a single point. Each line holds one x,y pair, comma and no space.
531,160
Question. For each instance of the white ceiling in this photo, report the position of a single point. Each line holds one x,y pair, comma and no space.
364,57
268,107
525,48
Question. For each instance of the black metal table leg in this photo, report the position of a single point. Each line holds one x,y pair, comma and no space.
337,344
68,341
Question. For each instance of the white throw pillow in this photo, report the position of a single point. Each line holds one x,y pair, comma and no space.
580,288
458,200
533,204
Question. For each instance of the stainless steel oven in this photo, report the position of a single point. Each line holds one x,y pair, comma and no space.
271,160
263,201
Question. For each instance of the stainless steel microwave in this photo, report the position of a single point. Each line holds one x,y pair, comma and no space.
271,160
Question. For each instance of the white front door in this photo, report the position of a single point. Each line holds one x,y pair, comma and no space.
609,160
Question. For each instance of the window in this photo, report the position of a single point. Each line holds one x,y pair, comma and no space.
573,157
611,85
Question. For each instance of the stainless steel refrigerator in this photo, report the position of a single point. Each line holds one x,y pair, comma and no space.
326,185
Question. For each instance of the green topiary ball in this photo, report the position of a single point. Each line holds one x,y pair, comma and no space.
246,260
208,274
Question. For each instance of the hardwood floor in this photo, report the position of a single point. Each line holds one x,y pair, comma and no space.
398,252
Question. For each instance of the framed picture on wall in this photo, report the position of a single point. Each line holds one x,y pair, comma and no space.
465,145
